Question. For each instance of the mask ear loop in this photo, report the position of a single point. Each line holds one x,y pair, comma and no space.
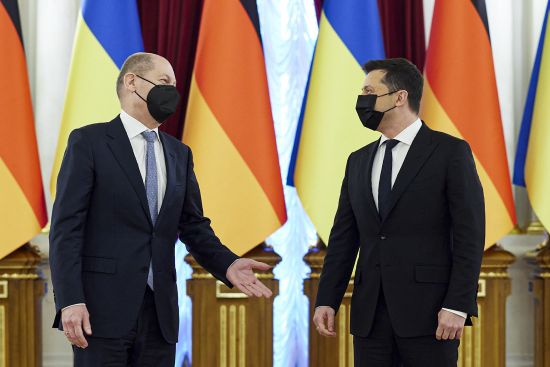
139,76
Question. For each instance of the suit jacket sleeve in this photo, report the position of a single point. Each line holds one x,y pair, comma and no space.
341,252
197,234
74,188
467,209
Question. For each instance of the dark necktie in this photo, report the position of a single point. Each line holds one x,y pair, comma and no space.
384,188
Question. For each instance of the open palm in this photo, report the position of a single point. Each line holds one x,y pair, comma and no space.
241,275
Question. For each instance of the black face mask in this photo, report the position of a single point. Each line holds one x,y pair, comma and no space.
365,110
162,100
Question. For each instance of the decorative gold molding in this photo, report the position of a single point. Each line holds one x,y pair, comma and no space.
242,336
223,336
535,227
232,336
18,276
477,337
196,275
493,274
482,288
342,336
3,289
350,343
220,294
3,362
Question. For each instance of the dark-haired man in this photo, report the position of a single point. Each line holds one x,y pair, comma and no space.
412,203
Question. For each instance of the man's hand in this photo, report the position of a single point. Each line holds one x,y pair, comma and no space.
450,325
240,274
75,319
324,320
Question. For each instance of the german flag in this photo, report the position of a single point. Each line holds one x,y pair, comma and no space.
460,98
22,207
229,126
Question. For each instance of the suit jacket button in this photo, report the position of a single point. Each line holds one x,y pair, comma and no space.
382,237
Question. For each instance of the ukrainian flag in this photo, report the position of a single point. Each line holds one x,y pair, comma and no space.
107,33
532,165
350,34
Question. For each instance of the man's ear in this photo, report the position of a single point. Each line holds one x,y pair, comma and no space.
402,97
130,82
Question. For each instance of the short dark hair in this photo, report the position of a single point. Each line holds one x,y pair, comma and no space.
401,74
138,63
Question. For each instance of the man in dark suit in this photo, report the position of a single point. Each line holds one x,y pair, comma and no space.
125,193
412,205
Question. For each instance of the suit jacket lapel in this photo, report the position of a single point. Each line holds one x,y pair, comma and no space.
170,159
366,178
122,150
419,152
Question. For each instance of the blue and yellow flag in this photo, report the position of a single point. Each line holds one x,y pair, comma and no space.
107,32
532,166
350,34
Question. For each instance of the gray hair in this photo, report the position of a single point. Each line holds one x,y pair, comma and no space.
138,63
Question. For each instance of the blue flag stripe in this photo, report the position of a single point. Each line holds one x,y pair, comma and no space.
357,23
525,130
116,26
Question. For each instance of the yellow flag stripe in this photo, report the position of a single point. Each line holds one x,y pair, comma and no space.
498,221
241,213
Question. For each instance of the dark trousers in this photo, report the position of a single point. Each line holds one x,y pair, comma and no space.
143,346
383,348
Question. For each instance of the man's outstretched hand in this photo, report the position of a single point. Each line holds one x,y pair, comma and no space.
241,275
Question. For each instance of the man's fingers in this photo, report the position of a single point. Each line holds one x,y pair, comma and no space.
255,291
439,332
330,321
86,324
459,333
244,289
446,332
259,265
321,320
80,340
266,292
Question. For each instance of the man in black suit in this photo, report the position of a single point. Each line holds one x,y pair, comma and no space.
125,193
412,205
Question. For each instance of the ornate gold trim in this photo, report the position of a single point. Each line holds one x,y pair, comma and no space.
201,276
342,336
3,362
468,347
482,290
535,227
242,336
3,289
220,294
223,336
350,343
18,276
544,275
477,338
493,274
232,336
210,276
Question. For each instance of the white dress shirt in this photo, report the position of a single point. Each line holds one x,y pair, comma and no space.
134,128
399,152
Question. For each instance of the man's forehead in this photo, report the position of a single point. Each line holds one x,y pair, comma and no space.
374,78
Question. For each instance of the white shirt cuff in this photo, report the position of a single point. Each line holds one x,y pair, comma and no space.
76,304
459,313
